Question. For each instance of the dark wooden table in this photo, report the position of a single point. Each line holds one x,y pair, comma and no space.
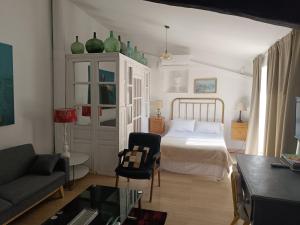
271,195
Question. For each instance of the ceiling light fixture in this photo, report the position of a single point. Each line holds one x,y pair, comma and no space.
166,55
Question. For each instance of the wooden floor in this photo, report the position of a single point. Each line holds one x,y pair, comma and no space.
188,200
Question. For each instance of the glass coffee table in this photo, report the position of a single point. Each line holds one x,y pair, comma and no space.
98,205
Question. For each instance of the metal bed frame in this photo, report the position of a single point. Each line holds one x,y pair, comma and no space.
187,109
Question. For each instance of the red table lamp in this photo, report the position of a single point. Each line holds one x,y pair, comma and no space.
65,116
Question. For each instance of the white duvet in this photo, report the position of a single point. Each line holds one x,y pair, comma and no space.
195,153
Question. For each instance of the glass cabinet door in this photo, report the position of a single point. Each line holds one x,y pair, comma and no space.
129,98
82,91
137,104
107,92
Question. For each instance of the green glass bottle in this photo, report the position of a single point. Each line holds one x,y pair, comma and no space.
137,56
94,45
144,60
129,50
111,44
140,57
123,46
77,47
135,53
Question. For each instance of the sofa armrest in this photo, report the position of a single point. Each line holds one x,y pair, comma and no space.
64,166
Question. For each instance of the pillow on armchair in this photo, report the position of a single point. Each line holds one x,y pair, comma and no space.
44,164
136,157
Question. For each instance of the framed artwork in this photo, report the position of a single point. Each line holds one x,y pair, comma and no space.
177,81
205,86
7,113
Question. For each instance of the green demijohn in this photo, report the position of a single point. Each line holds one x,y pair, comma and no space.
129,50
123,46
94,45
144,60
77,47
137,55
111,44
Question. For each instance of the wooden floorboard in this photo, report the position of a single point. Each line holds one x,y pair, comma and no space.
188,200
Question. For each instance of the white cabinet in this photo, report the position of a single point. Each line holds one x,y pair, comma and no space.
111,95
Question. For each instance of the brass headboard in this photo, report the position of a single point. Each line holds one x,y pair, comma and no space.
201,109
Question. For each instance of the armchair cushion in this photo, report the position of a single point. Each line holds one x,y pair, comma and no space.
136,157
44,164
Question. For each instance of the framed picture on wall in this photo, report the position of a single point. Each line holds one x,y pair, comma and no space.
205,86
7,113
177,81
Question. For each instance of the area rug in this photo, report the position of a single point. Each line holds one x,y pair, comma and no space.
146,217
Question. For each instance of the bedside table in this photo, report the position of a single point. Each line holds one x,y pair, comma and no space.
239,130
157,125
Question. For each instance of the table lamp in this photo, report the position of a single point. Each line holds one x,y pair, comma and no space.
65,116
241,107
157,104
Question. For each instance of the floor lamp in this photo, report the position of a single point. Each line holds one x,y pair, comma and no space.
65,116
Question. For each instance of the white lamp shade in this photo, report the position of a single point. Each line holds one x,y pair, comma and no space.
241,107
157,104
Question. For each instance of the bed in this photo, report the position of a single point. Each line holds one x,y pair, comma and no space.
194,143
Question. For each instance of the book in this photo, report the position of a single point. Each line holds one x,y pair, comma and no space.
292,160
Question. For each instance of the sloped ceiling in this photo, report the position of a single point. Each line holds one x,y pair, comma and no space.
223,40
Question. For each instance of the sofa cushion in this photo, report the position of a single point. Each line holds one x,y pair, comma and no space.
4,205
26,186
15,162
44,164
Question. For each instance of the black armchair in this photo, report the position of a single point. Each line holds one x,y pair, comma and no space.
152,164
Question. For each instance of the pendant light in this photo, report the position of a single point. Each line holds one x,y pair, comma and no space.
166,55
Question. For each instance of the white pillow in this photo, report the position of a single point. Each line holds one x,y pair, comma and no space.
208,127
182,125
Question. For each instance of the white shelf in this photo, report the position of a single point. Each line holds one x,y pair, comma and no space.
78,158
80,171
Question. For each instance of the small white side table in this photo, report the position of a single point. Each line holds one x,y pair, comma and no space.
77,169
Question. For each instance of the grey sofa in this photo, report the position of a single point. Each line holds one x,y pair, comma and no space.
20,190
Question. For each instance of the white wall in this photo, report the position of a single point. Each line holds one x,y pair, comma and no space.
232,88
69,21
26,25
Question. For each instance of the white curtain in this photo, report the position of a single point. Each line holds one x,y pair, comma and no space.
252,136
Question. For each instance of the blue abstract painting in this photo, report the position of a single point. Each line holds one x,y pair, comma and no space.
7,114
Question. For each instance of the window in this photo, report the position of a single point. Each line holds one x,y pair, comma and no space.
262,108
